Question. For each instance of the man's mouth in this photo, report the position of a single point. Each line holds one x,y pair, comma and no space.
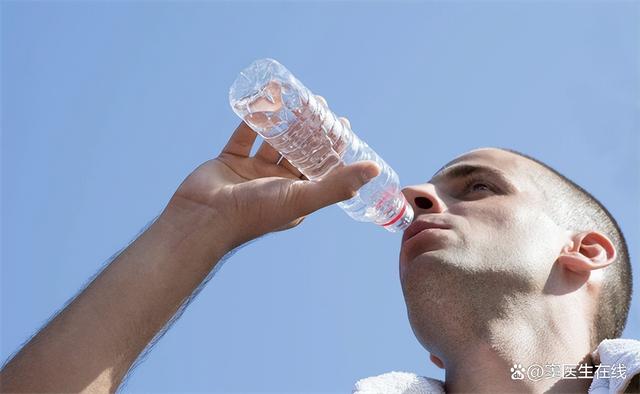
420,225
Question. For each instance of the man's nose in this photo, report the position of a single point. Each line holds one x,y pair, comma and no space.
424,199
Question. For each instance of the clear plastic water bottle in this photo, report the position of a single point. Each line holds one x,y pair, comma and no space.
303,129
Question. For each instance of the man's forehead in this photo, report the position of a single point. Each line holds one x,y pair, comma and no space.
507,162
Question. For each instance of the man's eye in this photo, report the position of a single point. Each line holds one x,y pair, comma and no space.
476,186
480,187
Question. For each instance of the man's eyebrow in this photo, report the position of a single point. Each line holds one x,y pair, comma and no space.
465,170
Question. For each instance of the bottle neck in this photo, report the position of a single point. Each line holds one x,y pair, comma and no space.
402,220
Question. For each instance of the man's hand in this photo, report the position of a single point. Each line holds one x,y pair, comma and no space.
251,196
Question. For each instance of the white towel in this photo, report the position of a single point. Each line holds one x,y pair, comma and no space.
611,351
398,383
621,352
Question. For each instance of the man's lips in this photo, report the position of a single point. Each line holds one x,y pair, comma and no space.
419,225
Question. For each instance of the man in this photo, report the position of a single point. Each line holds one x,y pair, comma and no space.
506,262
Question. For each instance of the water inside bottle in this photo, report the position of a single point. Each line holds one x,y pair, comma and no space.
303,131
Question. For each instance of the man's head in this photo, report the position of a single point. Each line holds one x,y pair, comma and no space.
499,234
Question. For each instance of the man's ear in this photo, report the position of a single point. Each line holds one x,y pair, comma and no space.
587,251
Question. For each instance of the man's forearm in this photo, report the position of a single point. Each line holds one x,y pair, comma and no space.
93,342
225,202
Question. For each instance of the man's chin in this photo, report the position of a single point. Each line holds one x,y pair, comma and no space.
422,263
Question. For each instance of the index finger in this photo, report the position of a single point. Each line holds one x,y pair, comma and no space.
241,141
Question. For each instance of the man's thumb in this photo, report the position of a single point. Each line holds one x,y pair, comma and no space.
340,184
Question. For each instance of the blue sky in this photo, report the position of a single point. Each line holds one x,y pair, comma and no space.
106,107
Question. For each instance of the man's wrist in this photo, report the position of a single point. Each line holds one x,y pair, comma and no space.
193,225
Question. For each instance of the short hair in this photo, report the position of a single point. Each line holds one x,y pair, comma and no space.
578,210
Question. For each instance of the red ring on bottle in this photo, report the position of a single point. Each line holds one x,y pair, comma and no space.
398,216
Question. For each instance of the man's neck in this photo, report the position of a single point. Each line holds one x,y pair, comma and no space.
530,335
486,371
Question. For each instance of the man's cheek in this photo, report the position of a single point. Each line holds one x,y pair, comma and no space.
489,228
